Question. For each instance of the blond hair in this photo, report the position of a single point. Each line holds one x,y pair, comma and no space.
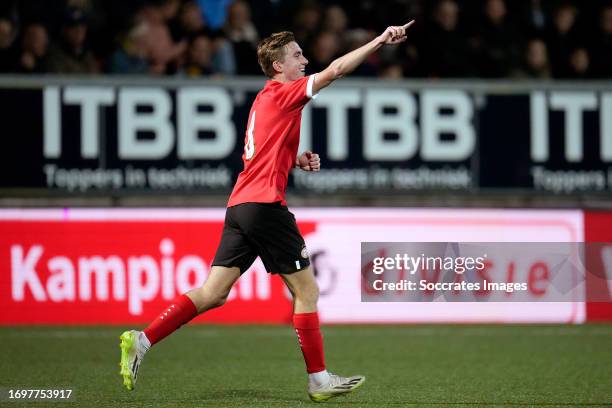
273,49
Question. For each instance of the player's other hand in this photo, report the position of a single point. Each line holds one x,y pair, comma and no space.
395,34
309,161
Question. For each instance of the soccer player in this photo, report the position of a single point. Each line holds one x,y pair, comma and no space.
257,221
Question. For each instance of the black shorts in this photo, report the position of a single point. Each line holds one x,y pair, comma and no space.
267,230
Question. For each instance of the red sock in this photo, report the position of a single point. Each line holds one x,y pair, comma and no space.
180,311
309,335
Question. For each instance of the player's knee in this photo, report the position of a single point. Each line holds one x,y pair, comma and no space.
206,299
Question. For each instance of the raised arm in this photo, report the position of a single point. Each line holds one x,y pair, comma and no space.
348,62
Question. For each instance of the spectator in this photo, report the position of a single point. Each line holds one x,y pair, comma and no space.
579,64
444,51
497,42
224,60
577,39
561,39
165,55
335,20
238,26
190,25
324,50
71,55
306,23
199,56
241,32
189,21
132,56
34,47
356,38
602,46
536,64
8,51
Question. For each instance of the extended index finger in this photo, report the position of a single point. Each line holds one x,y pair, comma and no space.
407,25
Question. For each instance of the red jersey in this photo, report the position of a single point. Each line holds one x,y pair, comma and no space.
271,142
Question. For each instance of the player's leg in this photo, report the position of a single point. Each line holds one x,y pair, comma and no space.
234,255
215,290
281,247
305,291
213,293
274,235
322,385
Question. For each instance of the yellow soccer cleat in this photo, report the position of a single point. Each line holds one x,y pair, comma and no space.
132,354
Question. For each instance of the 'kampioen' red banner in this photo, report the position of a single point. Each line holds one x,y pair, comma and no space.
121,272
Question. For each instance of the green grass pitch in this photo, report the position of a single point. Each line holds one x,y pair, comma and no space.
261,366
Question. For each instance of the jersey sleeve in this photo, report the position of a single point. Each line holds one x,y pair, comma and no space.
294,95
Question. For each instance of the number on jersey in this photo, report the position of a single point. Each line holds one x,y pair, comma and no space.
249,147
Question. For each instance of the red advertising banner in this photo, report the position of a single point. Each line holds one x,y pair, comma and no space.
121,272
118,266
598,228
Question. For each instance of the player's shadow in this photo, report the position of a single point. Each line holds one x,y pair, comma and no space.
256,396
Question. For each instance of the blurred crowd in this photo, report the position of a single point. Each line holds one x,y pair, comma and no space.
538,39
